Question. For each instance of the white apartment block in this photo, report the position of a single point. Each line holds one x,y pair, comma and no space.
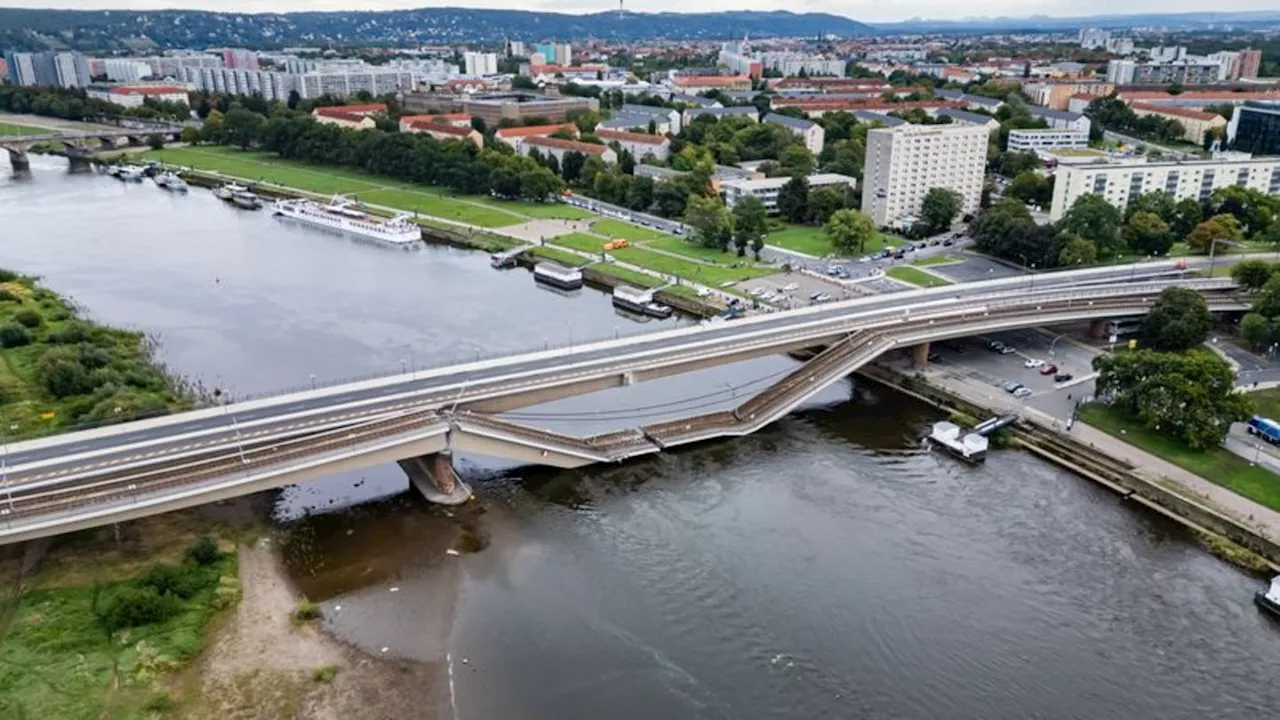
125,70
904,162
270,85
766,190
478,64
810,132
345,84
1091,38
792,64
1033,140
1121,182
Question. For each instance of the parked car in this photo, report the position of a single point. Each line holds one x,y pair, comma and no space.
790,287
1062,377
842,273
1033,363
1022,392
1008,350
995,346
1012,387
948,242
1049,370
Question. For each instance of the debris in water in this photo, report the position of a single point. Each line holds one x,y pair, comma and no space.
385,649
451,551
466,661
395,589
337,608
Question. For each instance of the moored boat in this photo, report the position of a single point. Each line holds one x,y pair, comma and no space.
639,301
557,275
227,191
130,173
170,181
1269,599
341,216
246,199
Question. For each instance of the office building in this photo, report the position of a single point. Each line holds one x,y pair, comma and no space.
1093,38
1255,128
810,132
904,162
1122,182
1035,140
239,59
476,63
766,189
1195,123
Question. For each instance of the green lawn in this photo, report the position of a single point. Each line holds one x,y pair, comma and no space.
908,274
687,269
937,260
541,211
564,257
1215,465
630,276
634,233
580,241
810,240
266,167
680,246
1267,402
429,203
12,129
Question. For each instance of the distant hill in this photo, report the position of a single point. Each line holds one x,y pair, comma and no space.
1173,21
31,29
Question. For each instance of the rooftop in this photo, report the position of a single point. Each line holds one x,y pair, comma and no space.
791,122
1182,112
535,130
709,80
1050,113
630,136
778,182
343,111
967,117
561,144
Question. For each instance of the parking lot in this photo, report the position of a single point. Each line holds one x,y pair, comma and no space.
971,359
974,268
794,290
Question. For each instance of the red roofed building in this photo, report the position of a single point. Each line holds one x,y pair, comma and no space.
1192,98
359,117
516,135
1195,123
444,131
694,84
134,95
640,145
559,148
409,122
831,85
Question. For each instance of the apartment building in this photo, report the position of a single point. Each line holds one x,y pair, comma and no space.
343,84
642,146
766,189
1255,128
904,162
1187,71
136,95
515,136
495,108
1121,182
810,132
1195,123
744,111
476,63
124,70
664,120
240,59
964,116
1037,140
1057,94
558,148
51,69
355,117
270,85
1062,119
694,84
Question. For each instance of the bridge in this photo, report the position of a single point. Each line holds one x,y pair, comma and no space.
78,144
420,418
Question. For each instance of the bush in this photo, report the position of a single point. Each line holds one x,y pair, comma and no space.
324,674
137,606
306,612
28,318
7,295
61,373
7,275
71,332
204,552
13,335
92,356
182,582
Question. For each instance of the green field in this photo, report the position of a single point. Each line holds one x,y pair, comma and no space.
810,240
634,233
449,208
541,211
680,246
580,241
1267,402
564,257
687,269
12,129
630,276
1215,465
937,260
908,274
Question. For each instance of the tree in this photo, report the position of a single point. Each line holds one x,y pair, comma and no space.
1031,188
711,221
13,335
1077,251
1146,234
1188,396
190,135
1158,202
825,201
1012,164
1092,217
1186,215
1255,329
505,183
670,199
640,193
211,131
796,161
749,223
939,208
849,231
241,127
1179,320
793,200
1218,227
1252,274
571,166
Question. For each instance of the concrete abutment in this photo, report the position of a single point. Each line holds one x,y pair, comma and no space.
920,355
19,160
433,475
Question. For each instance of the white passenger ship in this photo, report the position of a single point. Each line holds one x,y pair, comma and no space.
339,215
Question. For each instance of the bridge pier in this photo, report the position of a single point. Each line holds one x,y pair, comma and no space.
79,161
19,160
433,475
920,355
1098,329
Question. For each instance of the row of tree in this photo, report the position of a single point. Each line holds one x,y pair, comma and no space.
74,104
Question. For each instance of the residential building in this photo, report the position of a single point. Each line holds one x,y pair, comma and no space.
408,123
554,53
517,106
869,116
373,80
766,189
744,111
71,70
477,63
1255,128
810,132
125,70
1061,119
358,117
48,69
970,118
1250,63
1057,94
666,120
441,130
135,95
514,136
173,66
1093,38
270,85
1036,140
23,68
737,59
791,64
558,148
971,101
695,84
1121,182
515,48
1195,123
1120,46
642,146
904,162
1169,53
695,100
1187,71
240,59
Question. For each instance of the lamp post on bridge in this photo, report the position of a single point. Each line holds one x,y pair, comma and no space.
1213,245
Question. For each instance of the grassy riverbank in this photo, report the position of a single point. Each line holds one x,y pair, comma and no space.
13,129
1215,464
59,371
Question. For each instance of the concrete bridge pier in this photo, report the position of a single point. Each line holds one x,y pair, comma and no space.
79,160
433,475
1098,329
920,355
19,160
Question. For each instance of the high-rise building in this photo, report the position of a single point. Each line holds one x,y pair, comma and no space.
904,162
240,59
126,70
1250,63
1119,183
50,69
1255,128
22,68
515,48
476,63
1093,38
555,53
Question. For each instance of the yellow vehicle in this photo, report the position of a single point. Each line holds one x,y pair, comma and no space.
616,244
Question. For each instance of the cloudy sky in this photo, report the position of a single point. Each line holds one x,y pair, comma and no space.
869,10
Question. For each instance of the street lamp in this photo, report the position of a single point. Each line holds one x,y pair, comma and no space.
1213,245
313,381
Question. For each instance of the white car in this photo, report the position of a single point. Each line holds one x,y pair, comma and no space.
864,259
1022,392
789,287
1033,363
757,291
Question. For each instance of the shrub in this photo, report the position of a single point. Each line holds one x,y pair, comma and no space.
61,373
28,317
182,582
160,703
306,612
7,275
13,335
204,552
92,356
324,674
71,332
134,606
7,295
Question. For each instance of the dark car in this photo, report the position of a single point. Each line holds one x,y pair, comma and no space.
948,242
1062,377
995,346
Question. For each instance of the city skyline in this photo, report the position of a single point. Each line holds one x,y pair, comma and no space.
861,10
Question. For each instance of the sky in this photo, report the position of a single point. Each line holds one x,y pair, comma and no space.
865,10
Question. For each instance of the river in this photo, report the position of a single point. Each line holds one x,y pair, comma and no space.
826,567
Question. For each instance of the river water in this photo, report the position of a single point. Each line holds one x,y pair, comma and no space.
826,567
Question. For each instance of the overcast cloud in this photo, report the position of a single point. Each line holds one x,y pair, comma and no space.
866,10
